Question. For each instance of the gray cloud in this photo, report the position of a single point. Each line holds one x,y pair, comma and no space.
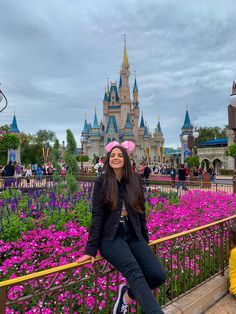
55,57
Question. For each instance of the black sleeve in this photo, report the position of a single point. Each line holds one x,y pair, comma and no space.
97,219
142,216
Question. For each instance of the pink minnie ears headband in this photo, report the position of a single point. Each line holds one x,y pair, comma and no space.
128,145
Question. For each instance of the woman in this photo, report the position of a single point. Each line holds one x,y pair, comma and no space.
232,261
120,233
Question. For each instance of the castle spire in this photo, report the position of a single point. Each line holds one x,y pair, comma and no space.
187,124
135,89
95,121
14,127
142,122
125,56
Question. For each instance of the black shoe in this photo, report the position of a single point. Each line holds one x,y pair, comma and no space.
120,307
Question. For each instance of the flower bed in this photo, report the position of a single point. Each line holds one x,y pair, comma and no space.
59,234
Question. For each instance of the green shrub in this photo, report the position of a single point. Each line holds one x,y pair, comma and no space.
83,213
231,150
226,172
72,183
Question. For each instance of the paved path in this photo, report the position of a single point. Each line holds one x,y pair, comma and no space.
227,305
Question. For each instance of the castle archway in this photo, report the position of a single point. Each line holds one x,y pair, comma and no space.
217,163
205,164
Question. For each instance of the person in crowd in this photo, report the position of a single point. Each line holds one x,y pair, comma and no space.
119,232
181,177
18,170
63,171
200,175
141,170
173,174
50,170
134,166
9,172
212,174
146,173
39,172
99,168
232,261
9,169
28,174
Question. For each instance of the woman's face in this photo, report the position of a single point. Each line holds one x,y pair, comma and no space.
116,160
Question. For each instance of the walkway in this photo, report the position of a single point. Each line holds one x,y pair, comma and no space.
226,305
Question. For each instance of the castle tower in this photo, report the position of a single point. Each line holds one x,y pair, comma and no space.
124,89
14,154
121,121
128,130
187,129
135,110
159,142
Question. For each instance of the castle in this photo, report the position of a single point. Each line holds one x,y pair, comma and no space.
122,121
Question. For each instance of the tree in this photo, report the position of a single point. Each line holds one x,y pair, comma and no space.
9,141
209,133
71,143
43,136
82,158
193,162
54,153
69,156
5,127
231,150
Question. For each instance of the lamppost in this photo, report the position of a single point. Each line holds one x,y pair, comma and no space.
81,153
190,139
232,126
2,96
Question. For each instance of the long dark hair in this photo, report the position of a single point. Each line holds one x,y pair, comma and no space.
133,193
232,238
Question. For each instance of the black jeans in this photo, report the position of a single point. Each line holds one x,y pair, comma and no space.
138,264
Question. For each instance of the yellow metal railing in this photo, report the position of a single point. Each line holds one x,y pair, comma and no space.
191,258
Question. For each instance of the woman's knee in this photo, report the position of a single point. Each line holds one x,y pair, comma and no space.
157,279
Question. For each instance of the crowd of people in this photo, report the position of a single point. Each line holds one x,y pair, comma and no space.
16,170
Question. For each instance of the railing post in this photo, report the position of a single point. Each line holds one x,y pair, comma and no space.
3,298
222,249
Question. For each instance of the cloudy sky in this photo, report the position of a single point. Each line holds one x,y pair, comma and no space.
55,56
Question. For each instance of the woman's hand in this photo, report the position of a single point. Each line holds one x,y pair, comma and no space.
85,258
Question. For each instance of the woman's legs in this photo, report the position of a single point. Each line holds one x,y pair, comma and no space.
149,263
120,255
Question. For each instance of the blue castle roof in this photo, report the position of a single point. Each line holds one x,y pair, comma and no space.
114,89
120,83
187,124
95,122
135,86
128,122
14,127
112,121
215,142
159,127
141,122
86,128
105,99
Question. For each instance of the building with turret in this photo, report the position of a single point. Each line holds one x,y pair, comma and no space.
122,121
211,152
187,129
14,154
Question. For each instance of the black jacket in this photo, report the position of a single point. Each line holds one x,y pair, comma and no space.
105,221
